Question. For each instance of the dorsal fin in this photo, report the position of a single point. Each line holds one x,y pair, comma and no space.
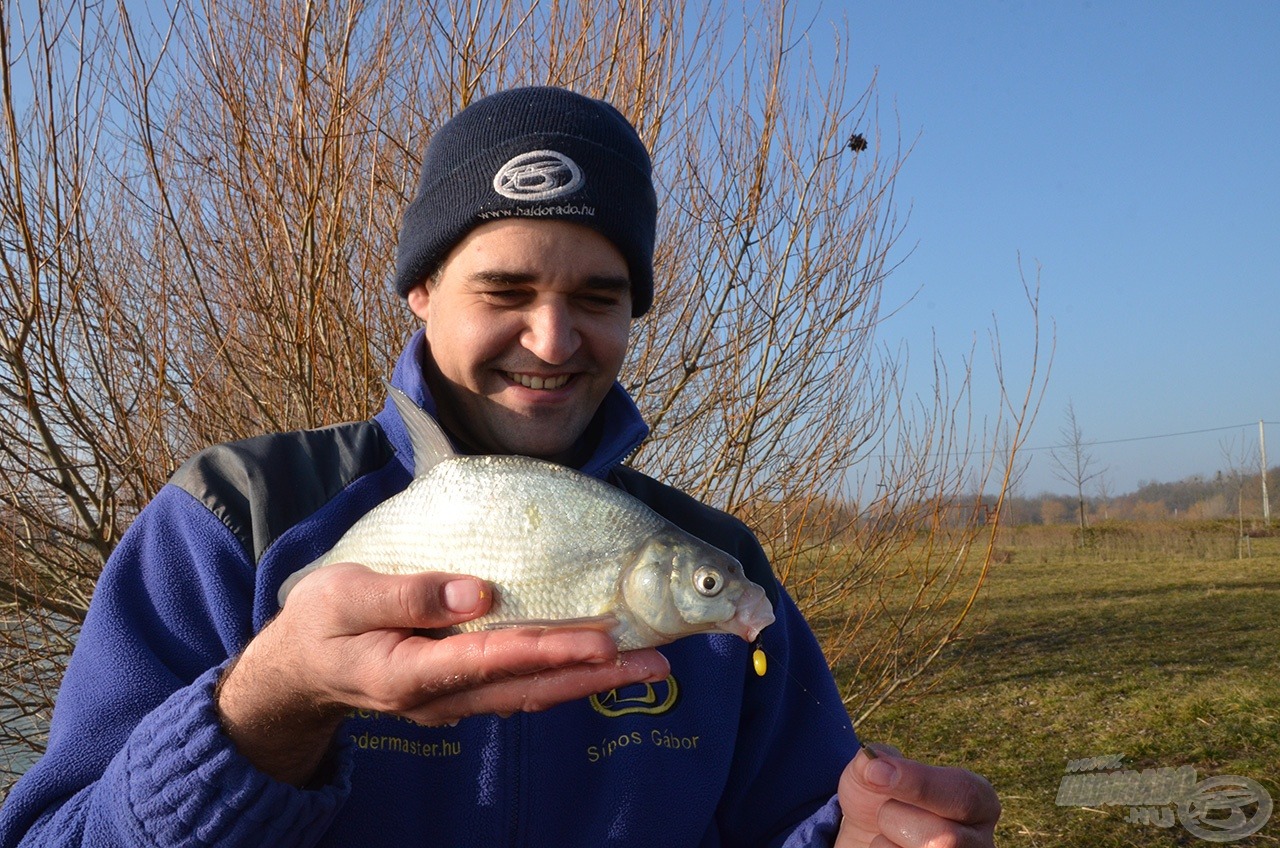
430,445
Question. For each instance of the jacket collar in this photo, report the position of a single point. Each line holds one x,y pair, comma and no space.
617,427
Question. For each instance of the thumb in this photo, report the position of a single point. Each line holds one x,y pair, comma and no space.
360,599
861,798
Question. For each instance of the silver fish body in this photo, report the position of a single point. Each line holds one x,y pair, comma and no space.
559,547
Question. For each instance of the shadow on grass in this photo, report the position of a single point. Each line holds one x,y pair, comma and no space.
1196,631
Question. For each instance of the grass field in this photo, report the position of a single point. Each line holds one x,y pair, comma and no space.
1153,653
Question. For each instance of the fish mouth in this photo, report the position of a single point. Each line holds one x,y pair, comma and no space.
548,382
754,613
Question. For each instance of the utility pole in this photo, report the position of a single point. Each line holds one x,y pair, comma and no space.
1262,449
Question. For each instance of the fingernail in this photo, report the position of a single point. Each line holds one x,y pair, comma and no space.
462,596
880,773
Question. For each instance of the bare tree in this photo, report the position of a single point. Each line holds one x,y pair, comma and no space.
198,216
1105,489
1240,458
1074,463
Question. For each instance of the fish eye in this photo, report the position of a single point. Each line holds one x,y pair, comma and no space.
708,582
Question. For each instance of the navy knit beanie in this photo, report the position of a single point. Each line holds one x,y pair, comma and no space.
533,153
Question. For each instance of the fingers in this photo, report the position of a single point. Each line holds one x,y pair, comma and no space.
436,681
953,793
356,638
422,668
541,690
913,804
374,657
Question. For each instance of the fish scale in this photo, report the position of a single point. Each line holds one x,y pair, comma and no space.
535,561
559,547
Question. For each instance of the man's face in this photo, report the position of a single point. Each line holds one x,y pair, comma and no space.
527,324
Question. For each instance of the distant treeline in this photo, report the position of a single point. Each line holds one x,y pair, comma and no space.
1225,494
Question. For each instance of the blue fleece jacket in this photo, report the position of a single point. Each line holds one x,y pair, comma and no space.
712,756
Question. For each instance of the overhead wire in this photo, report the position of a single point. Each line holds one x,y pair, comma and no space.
1093,442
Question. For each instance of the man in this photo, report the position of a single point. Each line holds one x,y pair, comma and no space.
197,710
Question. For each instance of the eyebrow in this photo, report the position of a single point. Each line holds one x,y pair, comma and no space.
599,282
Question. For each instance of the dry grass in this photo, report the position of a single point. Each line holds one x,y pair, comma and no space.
1168,659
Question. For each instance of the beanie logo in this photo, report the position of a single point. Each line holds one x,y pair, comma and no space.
538,175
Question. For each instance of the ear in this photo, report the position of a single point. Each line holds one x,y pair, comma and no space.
417,298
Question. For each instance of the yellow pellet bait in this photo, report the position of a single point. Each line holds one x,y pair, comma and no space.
759,661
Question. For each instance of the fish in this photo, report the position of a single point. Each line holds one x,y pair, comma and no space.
559,547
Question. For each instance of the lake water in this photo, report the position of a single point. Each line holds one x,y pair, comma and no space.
26,687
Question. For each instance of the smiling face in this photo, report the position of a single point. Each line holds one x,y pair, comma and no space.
527,323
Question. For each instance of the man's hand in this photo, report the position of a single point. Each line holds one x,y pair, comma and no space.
349,637
891,801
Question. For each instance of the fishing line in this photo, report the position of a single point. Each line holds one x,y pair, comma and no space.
758,661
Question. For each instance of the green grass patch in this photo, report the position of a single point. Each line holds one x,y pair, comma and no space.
1168,661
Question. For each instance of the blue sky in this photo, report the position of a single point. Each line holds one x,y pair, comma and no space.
1132,152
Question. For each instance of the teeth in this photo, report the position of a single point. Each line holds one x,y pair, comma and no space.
533,382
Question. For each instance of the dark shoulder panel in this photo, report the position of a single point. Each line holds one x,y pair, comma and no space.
260,487
707,523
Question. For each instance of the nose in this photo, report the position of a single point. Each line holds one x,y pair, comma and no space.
550,333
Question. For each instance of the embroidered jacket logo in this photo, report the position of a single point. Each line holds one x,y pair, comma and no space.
641,699
538,175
